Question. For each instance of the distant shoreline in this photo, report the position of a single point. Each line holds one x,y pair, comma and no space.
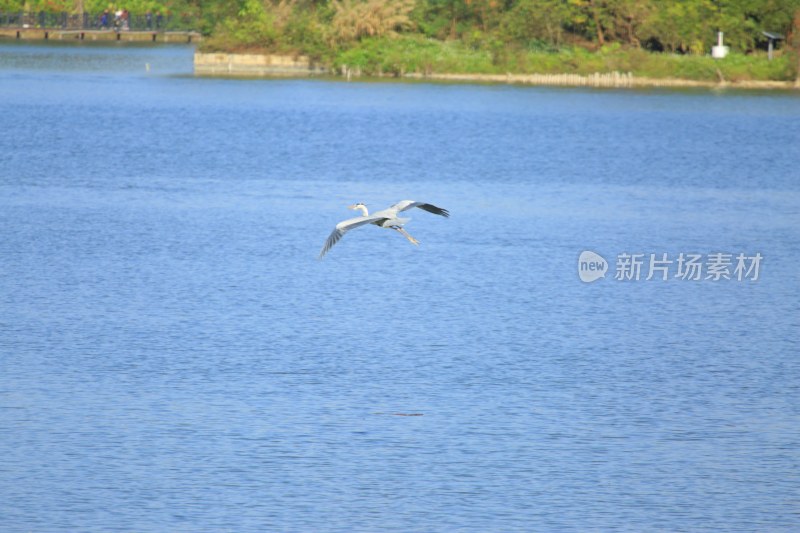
232,65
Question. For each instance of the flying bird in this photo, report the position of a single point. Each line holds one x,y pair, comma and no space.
386,218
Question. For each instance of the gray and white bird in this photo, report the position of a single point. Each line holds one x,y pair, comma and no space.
386,218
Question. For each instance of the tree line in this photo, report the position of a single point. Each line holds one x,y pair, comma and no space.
679,26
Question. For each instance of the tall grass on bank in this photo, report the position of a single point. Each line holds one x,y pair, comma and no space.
409,54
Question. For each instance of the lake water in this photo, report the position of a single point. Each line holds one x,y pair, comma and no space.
173,356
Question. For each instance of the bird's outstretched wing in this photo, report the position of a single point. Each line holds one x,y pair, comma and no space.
343,227
405,205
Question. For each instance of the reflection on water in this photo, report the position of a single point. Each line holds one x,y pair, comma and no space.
175,358
60,58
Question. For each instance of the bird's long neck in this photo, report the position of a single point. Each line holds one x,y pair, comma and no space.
363,209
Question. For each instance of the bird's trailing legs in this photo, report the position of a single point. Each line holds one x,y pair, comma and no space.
405,234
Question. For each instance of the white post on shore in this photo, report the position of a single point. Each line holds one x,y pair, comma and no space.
719,51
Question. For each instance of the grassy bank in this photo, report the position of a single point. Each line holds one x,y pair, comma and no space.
414,54
405,55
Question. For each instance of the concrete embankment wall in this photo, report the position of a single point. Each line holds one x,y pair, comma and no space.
611,79
44,34
254,65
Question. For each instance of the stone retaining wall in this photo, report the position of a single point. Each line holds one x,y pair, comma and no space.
254,65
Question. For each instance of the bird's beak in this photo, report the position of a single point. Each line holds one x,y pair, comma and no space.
351,206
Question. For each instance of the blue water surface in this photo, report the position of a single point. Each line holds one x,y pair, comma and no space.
173,356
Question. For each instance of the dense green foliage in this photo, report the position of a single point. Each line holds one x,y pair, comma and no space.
685,26
200,15
97,6
647,37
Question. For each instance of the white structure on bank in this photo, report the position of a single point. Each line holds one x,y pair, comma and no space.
719,51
